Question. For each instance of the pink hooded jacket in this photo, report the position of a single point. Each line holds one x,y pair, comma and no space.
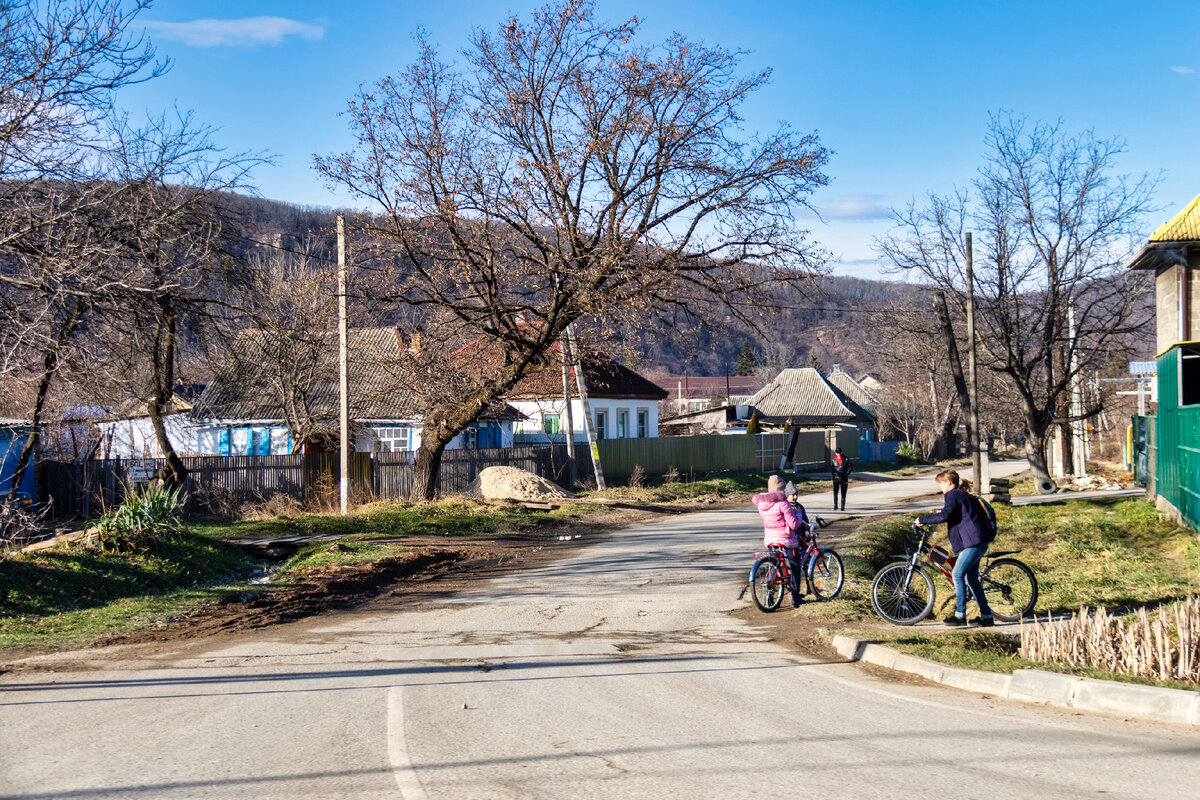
780,520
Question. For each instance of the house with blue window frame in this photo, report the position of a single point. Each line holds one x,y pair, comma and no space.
273,396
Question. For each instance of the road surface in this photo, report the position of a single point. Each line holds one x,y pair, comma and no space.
615,673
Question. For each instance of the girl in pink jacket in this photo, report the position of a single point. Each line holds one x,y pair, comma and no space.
780,524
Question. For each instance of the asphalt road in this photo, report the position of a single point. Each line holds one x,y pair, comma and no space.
616,672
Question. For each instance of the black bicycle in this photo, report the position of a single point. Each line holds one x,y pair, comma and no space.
903,591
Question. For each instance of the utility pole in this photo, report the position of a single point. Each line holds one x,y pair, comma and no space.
577,365
979,459
343,368
1078,448
572,472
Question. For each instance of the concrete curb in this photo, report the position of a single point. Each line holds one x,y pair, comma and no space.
1037,686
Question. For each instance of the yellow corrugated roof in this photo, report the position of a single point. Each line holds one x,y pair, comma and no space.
1183,227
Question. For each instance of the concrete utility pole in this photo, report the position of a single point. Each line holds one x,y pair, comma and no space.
1078,446
577,365
979,458
343,368
572,472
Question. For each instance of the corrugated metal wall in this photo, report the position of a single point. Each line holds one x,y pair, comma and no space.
698,455
1177,442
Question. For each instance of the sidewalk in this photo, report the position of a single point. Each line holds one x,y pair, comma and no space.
896,496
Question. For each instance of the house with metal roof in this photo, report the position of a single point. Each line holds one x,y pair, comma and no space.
1173,253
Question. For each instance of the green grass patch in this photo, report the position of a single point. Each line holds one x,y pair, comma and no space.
1115,553
398,520
73,593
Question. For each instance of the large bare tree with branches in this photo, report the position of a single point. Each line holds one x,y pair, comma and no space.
1053,223
567,172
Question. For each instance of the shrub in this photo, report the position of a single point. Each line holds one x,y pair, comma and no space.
149,515
671,475
910,454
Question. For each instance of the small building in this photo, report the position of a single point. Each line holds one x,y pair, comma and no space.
13,435
623,404
1173,253
806,399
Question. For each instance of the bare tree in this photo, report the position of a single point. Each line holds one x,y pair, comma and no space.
1052,225
570,173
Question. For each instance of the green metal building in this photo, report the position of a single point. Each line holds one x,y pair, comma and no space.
1173,252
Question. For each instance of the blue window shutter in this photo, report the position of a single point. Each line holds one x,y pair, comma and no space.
224,441
264,443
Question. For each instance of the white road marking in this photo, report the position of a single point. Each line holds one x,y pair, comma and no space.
402,768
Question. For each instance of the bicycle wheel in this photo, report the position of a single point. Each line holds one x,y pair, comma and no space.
1011,589
766,584
825,575
901,598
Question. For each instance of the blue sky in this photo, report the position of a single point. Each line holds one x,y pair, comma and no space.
900,91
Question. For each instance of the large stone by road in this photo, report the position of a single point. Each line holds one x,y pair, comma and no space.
614,673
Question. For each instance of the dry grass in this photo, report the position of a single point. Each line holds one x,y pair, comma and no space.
1163,645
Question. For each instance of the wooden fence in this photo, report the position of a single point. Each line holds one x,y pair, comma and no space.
220,485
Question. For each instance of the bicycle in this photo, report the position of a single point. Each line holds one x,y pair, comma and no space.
821,567
903,592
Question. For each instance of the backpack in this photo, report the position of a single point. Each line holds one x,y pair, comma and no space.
989,514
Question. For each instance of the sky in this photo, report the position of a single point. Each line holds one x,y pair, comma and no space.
899,91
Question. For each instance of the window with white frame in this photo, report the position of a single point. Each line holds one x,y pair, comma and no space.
392,440
471,438
550,424
643,422
601,424
622,423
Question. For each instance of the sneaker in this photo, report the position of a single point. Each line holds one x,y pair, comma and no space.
985,622
955,619
796,599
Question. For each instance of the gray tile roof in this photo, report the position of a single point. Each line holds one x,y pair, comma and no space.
803,396
851,388
251,384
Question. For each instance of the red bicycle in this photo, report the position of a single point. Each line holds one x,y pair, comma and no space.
771,579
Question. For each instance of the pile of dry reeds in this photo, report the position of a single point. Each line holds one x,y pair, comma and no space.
1165,645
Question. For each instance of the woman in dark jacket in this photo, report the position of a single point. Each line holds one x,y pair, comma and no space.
968,537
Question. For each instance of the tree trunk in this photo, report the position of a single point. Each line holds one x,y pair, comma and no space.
49,368
1035,450
174,473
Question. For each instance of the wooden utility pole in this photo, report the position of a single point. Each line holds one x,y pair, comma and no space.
979,459
343,369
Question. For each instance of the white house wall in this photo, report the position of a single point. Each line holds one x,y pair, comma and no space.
529,430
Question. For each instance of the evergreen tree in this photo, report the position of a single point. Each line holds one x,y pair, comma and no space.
747,363
814,361
753,425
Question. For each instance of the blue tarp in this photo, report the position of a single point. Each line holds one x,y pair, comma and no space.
11,442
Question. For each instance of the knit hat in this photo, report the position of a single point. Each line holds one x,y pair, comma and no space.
774,484
790,489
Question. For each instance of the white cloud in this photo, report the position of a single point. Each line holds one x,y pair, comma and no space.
855,208
245,32
1183,70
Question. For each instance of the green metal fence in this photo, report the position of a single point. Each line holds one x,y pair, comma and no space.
1176,439
699,455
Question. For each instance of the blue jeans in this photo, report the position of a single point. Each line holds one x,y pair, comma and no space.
966,573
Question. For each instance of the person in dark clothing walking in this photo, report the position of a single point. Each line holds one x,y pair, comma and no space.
840,466
969,538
